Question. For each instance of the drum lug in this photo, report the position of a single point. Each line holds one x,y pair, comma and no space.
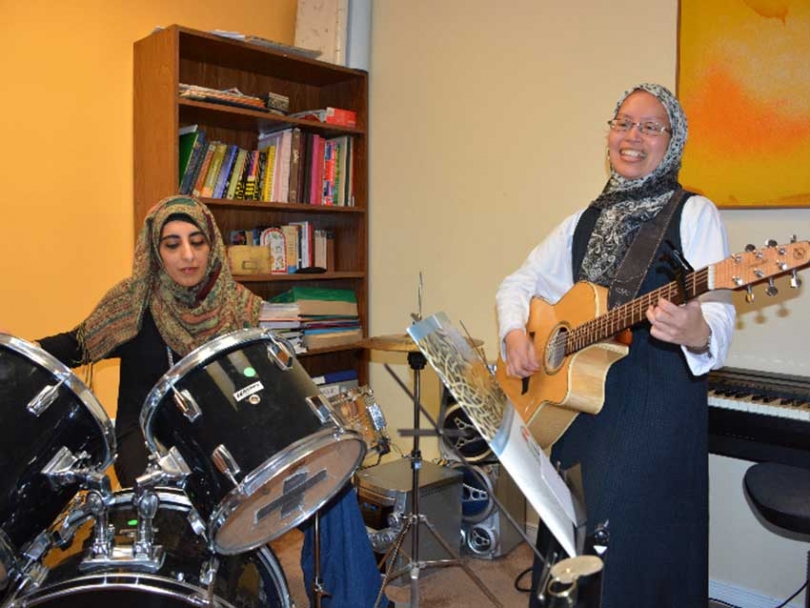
281,353
186,404
44,399
170,468
322,408
226,463
196,522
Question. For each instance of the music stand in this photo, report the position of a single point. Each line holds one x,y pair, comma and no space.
415,518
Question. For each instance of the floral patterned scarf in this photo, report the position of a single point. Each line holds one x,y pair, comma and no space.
627,203
185,317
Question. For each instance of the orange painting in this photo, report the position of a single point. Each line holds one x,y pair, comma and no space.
744,81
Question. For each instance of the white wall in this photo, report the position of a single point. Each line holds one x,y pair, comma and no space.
488,128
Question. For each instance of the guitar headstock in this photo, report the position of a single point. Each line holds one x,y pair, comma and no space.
743,270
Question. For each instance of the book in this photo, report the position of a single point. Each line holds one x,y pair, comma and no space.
206,163
330,115
197,154
250,182
320,301
187,137
332,338
295,163
236,173
291,236
224,171
213,170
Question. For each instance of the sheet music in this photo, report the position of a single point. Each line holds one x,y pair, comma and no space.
467,377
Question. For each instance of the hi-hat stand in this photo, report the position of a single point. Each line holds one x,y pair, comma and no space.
415,519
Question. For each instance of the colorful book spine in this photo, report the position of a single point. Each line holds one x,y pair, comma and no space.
206,164
236,173
213,170
224,171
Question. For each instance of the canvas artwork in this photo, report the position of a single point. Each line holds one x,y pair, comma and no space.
744,81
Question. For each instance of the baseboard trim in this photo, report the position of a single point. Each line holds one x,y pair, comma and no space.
746,598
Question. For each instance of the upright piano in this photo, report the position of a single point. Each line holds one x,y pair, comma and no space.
759,416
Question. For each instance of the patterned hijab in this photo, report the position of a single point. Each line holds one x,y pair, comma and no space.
627,203
185,317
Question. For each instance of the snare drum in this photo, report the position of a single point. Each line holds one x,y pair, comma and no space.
54,432
359,411
260,447
187,573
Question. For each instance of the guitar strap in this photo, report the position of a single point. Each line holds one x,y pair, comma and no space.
640,254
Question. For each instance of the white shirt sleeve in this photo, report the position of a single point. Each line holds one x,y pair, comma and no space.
704,242
546,273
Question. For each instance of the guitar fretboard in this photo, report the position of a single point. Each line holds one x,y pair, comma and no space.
627,315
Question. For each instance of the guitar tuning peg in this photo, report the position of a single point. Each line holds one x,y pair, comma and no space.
749,294
749,248
771,243
771,289
793,238
795,280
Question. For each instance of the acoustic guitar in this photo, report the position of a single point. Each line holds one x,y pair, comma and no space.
578,339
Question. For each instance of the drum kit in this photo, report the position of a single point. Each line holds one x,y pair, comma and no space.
243,447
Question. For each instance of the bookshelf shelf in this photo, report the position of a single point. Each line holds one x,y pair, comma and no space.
325,276
219,115
175,55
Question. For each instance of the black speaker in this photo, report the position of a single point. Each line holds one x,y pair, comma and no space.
461,436
486,532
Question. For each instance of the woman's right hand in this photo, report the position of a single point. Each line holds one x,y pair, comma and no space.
521,359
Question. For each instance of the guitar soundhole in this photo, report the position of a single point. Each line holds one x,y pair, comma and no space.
555,349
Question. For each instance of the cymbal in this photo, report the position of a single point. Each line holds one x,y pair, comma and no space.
402,343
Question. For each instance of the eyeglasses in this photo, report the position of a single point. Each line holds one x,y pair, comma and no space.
651,128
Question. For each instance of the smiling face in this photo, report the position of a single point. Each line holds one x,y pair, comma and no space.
184,251
633,155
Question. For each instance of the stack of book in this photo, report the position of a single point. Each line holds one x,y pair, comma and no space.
333,384
288,166
285,321
329,317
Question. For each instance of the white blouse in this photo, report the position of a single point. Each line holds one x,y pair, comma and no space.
547,273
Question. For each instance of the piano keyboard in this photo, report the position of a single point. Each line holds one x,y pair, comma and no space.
759,416
760,393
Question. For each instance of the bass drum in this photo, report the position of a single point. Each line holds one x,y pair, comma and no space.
53,434
76,579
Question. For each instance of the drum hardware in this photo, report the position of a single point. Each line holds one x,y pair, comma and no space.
62,471
322,408
282,353
44,399
412,520
188,572
226,463
186,404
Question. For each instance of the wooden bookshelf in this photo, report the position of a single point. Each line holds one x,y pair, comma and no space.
177,55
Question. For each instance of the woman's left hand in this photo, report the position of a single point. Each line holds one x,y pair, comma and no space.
684,325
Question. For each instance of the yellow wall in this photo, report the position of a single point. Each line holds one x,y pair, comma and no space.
66,159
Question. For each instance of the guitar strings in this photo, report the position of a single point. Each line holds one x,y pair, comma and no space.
613,322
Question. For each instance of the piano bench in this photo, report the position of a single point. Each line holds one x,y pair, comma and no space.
780,493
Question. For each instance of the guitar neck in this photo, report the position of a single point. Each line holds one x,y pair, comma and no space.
625,316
